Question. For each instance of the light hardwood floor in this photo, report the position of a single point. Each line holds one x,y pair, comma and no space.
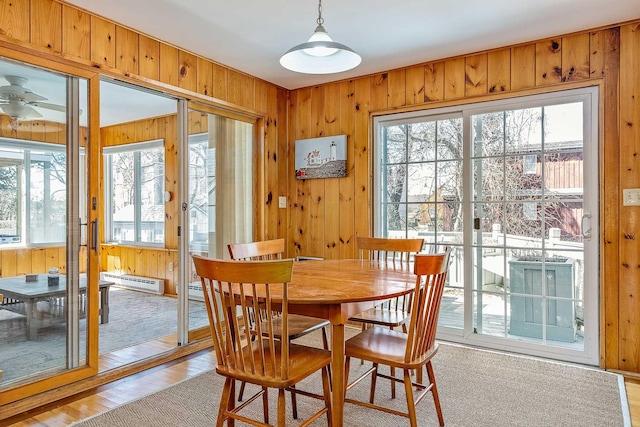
108,396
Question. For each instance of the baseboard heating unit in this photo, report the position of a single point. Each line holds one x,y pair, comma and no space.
136,283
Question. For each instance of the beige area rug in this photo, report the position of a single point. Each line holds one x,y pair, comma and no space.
477,388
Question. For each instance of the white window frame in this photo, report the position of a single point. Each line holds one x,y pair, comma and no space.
108,178
22,149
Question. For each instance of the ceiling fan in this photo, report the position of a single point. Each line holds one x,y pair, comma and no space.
17,101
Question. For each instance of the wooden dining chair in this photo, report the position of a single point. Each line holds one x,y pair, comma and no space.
406,351
395,312
267,361
298,325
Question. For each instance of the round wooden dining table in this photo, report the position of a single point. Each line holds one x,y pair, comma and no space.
338,289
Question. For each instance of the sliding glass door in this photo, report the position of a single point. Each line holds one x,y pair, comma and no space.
502,184
218,207
43,224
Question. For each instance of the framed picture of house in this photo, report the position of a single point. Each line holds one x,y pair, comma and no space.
324,157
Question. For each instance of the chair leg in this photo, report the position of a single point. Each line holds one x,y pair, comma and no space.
281,408
294,403
374,378
265,404
393,383
364,326
393,374
241,392
224,401
325,343
434,392
347,366
419,375
411,404
326,387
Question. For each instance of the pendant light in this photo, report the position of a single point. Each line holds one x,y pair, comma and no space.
320,55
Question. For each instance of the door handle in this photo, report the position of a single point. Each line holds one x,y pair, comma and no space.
94,235
586,229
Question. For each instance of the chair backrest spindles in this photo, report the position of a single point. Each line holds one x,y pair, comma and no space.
231,295
431,271
379,248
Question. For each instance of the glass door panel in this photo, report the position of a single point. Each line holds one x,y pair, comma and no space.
220,194
528,246
501,183
43,284
139,134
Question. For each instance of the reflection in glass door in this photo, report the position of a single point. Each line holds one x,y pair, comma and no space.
502,184
219,195
43,118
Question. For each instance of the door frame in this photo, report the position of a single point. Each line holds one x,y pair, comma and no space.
92,150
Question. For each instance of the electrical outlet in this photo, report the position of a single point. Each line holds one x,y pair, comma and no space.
631,197
282,202
170,266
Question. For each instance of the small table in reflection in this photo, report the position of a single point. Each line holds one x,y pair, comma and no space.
23,297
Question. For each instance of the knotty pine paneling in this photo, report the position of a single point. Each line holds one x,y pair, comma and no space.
605,63
397,88
127,45
240,89
169,70
316,196
523,66
498,70
380,91
283,168
204,77
414,90
575,57
475,75
14,19
187,76
454,81
219,82
76,33
149,57
46,24
629,309
548,62
362,158
434,81
605,55
331,198
103,43
346,121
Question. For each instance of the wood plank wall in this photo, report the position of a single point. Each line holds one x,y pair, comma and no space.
326,215
323,217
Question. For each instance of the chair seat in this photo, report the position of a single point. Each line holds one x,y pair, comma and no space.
298,326
385,346
303,361
383,317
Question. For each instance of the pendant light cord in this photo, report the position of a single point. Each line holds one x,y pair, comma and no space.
320,21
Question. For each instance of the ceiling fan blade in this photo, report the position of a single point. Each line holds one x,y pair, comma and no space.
49,106
32,97
17,111
30,113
